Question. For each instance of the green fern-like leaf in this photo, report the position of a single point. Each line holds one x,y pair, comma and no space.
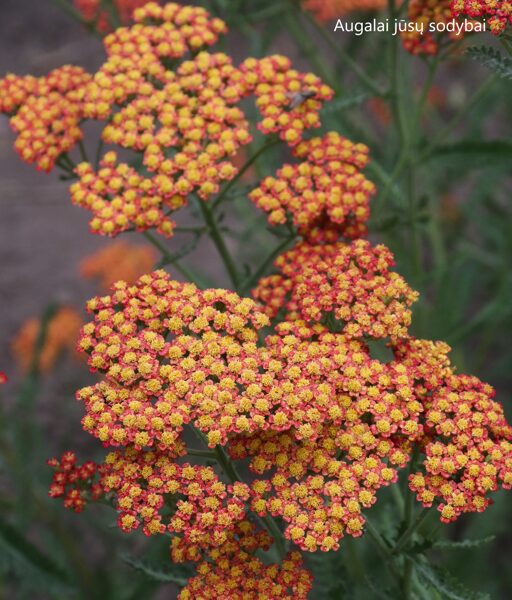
446,584
178,575
344,103
492,59
463,544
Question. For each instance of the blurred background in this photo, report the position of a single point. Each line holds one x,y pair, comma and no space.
465,226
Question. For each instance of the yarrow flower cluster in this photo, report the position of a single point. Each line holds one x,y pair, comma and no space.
46,113
310,408
350,283
194,116
180,115
425,13
351,418
74,483
169,101
234,571
324,193
200,376
203,511
137,56
467,446
286,382
497,13
277,88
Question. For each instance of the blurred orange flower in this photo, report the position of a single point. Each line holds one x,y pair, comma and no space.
62,334
118,261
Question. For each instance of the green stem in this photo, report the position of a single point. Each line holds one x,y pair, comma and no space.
407,580
68,8
225,462
168,258
384,548
475,98
25,431
266,13
243,169
201,453
410,528
377,538
309,49
83,153
218,240
340,53
250,281
67,160
66,169
416,254
110,8
413,526
432,68
398,498
402,542
277,534
390,183
230,470
396,92
398,110
99,150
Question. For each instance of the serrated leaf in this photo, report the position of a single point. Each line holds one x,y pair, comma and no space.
446,584
492,59
463,544
420,547
179,575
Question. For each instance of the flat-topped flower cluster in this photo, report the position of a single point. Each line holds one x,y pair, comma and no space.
283,390
173,104
448,20
323,421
